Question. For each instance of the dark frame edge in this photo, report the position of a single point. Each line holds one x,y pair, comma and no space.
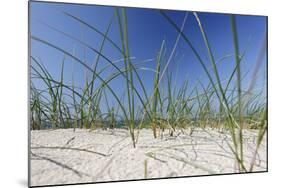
28,95
267,94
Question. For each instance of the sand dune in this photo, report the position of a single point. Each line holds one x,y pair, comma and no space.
64,156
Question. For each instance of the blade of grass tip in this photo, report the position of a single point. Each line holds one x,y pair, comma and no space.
237,60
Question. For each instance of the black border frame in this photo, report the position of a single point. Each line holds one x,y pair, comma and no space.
131,180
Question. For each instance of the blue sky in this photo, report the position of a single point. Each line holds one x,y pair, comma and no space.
147,29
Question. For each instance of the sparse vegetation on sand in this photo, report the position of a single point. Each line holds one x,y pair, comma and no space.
218,109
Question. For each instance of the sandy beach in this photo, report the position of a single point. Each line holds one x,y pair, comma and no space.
64,156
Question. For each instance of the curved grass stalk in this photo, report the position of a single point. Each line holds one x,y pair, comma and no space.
94,29
197,56
220,94
111,63
107,38
86,66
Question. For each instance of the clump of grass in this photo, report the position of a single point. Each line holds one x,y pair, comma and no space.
232,123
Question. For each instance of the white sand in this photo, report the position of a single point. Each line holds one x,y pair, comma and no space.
63,156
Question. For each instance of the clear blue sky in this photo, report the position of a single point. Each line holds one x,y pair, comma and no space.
147,29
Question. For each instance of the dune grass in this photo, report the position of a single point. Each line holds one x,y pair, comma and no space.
62,105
